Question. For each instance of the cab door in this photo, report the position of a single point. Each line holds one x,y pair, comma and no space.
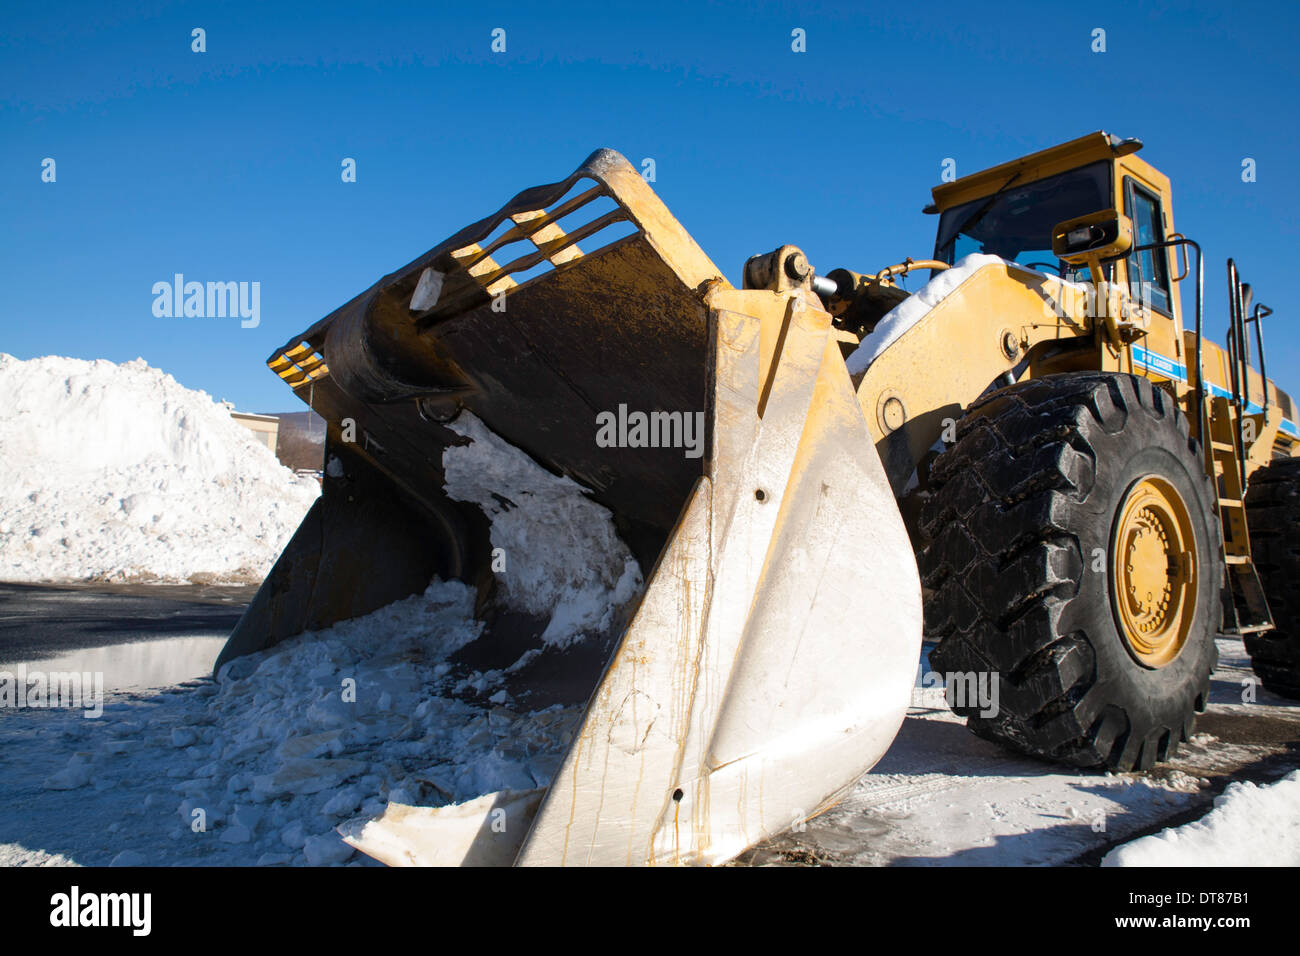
1160,353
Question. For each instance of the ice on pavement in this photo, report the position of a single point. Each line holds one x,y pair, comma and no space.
335,725
941,796
1249,826
292,741
118,472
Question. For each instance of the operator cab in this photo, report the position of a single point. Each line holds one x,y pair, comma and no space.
1010,211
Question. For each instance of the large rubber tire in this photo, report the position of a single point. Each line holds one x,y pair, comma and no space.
1273,515
1020,519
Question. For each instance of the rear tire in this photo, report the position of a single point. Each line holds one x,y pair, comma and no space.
1021,516
1273,516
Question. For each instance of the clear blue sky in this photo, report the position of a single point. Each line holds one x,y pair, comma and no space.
225,165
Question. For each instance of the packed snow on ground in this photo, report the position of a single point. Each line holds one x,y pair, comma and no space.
118,472
278,752
1249,826
943,797
917,306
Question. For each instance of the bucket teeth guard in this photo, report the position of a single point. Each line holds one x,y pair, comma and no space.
771,658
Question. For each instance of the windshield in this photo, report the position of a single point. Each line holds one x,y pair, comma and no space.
1017,225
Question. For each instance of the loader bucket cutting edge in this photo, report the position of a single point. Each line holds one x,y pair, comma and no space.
770,660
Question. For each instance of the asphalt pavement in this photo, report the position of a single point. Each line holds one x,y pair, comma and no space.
39,621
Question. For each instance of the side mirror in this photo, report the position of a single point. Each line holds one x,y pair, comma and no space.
1100,235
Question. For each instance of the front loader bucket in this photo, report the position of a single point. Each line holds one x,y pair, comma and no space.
770,659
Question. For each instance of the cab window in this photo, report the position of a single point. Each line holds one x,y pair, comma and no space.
1147,270
1016,221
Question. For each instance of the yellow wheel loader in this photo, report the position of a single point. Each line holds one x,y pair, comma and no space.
1034,429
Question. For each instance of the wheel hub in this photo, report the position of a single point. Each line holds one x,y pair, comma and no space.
1153,565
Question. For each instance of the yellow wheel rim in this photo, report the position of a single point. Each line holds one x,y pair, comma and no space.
1153,572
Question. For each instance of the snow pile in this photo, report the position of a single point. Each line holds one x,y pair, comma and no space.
118,472
561,554
295,740
1249,826
915,307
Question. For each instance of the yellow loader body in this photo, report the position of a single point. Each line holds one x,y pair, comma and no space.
769,661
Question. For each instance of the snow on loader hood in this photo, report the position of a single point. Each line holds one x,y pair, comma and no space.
118,472
915,307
